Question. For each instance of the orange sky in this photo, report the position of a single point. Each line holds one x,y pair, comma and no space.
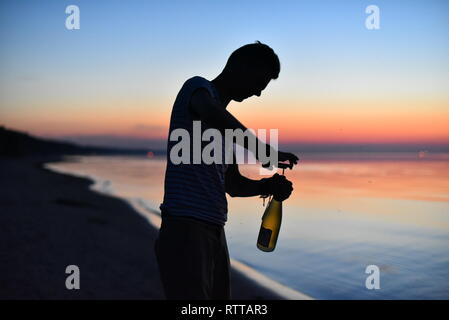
339,82
301,122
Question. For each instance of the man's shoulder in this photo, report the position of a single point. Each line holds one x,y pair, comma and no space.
199,86
197,81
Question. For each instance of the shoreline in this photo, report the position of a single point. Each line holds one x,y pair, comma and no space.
52,220
278,290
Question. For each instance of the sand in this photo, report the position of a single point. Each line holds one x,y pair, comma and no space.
50,220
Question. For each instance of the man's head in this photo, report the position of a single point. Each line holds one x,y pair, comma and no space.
249,70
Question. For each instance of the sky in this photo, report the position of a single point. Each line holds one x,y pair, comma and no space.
114,80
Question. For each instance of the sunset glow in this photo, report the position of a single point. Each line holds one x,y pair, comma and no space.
339,82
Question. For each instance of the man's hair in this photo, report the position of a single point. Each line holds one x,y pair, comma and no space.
256,55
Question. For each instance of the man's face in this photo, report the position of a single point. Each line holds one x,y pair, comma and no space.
249,84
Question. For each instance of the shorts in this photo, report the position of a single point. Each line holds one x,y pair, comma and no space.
193,259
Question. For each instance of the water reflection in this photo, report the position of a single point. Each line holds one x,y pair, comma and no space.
345,213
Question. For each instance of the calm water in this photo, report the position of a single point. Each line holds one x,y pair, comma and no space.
346,212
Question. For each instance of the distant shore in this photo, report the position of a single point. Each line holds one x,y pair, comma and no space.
51,220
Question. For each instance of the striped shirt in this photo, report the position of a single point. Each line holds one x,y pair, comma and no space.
194,190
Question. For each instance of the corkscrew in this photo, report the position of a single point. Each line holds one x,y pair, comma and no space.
283,166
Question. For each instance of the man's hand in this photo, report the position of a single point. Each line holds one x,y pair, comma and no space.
278,186
287,156
283,157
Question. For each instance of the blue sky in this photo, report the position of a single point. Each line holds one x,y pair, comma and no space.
133,56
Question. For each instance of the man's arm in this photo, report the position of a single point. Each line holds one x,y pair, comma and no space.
215,116
212,113
240,186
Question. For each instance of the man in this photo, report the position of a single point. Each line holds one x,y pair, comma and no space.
191,248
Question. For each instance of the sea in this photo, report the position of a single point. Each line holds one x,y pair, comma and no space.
357,225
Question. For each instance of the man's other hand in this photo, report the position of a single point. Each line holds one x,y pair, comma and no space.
287,156
283,157
278,186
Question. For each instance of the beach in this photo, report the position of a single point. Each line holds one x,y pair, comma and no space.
100,214
51,220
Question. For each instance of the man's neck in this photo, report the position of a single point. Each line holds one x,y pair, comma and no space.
222,89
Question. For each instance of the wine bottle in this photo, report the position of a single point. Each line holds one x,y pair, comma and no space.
269,229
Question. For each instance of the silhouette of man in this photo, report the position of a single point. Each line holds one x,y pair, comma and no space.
191,248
